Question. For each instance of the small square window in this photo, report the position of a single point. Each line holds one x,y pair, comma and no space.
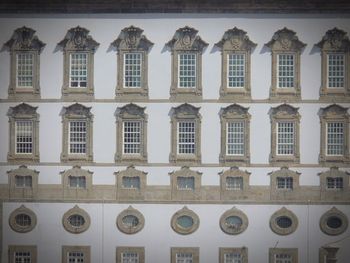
283,255
132,70
185,183
77,137
334,183
75,257
285,183
129,182
335,138
187,70
285,138
234,183
75,254
283,258
22,254
23,181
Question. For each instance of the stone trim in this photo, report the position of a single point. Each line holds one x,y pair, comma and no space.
23,112
283,212
24,40
334,212
230,194
78,40
184,212
285,41
233,229
328,254
130,193
22,192
193,250
77,112
130,211
81,249
185,194
131,112
12,249
235,41
18,228
335,194
185,112
243,251
186,40
76,192
131,40
139,250
284,113
234,113
290,251
74,229
334,113
284,194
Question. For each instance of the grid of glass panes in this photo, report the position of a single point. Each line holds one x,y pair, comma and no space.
235,138
232,258
24,137
75,257
184,258
76,220
336,70
285,76
186,137
284,182
77,137
334,182
283,258
187,70
23,257
132,70
23,220
285,138
131,182
235,71
130,257
234,183
78,70
185,183
25,65
23,181
131,137
335,138
77,181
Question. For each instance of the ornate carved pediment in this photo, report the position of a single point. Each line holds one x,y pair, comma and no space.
131,38
131,171
285,40
233,111
22,109
24,38
76,171
78,38
335,40
235,39
334,110
77,109
23,170
130,109
284,172
234,171
284,110
185,110
186,39
185,171
334,172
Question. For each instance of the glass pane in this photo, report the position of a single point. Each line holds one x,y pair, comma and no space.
23,220
233,222
185,221
76,220
284,222
334,222
130,221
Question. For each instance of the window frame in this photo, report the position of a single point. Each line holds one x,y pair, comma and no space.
331,193
76,229
231,194
123,193
138,250
190,250
26,211
185,194
243,251
293,252
76,192
282,193
130,211
333,212
233,212
283,212
81,249
185,212
12,249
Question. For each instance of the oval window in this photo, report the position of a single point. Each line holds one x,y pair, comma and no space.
76,220
130,221
233,222
23,220
284,222
185,221
334,222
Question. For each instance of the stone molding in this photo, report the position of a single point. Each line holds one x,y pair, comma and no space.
130,211
139,250
131,193
285,194
336,194
76,229
243,251
230,194
283,212
333,212
22,192
184,212
233,229
22,210
76,192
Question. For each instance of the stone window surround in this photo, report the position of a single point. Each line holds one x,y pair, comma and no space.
334,113
77,112
128,194
290,251
131,40
284,113
243,251
73,192
231,113
22,192
233,172
78,40
186,40
133,212
139,250
24,40
328,254
131,112
76,211
193,250
22,210
12,249
283,212
184,212
234,212
335,41
333,231
284,172
23,112
235,41
333,172
285,41
81,249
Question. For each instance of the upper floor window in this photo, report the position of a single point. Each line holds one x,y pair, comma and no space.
336,70
78,60
286,49
131,184
236,70
185,184
186,134
77,137
186,64
335,138
25,49
132,73
285,138
285,183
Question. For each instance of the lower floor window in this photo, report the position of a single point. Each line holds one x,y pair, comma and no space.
75,257
77,137
23,257
283,258
184,258
130,257
232,258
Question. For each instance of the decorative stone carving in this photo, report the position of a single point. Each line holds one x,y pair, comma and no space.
76,228
23,191
185,194
333,222
70,192
233,221
130,221
227,193
13,249
84,251
283,228
134,193
189,215
78,39
22,225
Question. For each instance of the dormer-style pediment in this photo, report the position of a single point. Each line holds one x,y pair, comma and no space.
186,38
23,39
234,111
23,109
130,110
285,40
235,39
186,110
335,40
131,39
285,110
334,111
78,39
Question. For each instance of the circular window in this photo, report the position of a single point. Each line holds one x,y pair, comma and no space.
283,222
185,221
233,222
333,222
22,220
76,220
130,221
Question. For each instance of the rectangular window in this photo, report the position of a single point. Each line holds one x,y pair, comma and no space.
24,137
285,183
23,181
22,257
186,137
235,138
129,182
185,183
131,137
336,70
234,183
334,183
77,137
184,258
285,68
335,138
78,70
75,257
130,257
77,181
283,258
132,70
187,70
233,258
25,65
285,138
236,70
